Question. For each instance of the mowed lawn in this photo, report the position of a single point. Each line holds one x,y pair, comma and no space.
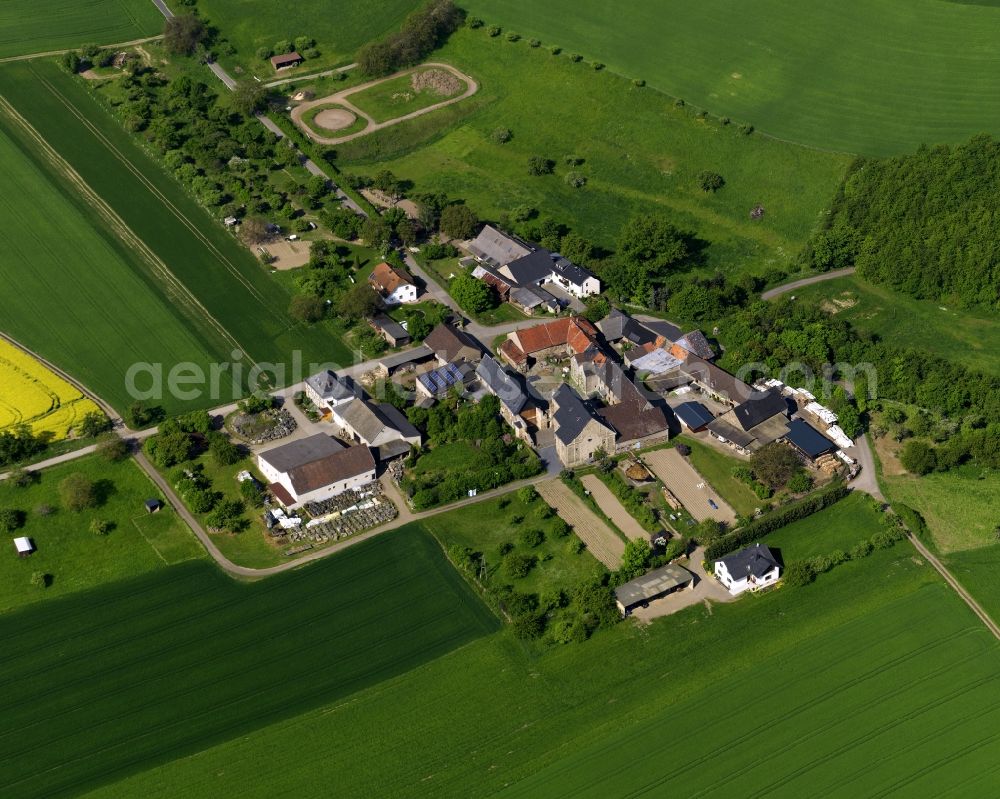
640,154
73,557
139,672
841,526
75,296
968,337
35,26
877,656
857,76
338,27
230,289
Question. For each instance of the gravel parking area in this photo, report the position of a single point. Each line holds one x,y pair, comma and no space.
602,542
688,486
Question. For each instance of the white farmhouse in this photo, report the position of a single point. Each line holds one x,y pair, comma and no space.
749,569
394,285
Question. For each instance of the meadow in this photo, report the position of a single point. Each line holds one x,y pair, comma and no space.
873,78
397,97
143,671
221,284
29,26
32,394
876,656
968,337
841,526
338,27
639,152
81,281
75,558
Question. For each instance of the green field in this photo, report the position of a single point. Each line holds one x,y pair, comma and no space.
876,656
840,526
29,26
717,468
82,300
641,154
859,76
961,506
968,337
138,673
397,97
222,286
76,558
338,27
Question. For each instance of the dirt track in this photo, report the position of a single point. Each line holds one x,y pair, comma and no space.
613,508
683,480
341,98
602,542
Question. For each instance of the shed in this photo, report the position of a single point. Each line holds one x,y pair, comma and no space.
153,505
657,583
286,60
807,439
24,546
694,415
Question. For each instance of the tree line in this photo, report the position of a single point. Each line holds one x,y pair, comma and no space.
422,32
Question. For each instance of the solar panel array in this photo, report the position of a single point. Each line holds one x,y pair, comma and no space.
441,379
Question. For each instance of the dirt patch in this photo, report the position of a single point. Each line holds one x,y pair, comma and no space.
89,74
436,81
887,450
334,119
612,508
288,254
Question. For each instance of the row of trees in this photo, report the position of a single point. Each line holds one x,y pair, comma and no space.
923,224
423,31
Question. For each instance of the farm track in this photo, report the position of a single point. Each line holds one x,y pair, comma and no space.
173,287
602,542
50,53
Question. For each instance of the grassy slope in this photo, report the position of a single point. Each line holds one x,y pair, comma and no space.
143,671
338,27
29,26
960,506
641,155
841,526
396,98
81,299
717,468
76,558
876,656
224,277
963,336
858,76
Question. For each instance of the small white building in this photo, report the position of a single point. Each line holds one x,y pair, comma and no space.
315,468
749,569
23,546
327,391
394,285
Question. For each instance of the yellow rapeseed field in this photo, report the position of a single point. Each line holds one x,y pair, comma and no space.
31,394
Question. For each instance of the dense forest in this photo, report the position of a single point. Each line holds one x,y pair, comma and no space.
923,224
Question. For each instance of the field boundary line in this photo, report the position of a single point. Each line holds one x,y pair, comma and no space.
49,53
118,225
145,538
155,191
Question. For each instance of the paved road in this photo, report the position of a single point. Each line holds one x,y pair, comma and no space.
310,76
341,98
770,294
867,479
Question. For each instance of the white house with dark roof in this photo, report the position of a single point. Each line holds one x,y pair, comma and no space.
326,390
750,569
313,469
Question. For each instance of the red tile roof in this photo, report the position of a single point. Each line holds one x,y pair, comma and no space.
574,332
387,278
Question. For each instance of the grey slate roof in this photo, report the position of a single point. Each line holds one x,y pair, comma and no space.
761,406
619,325
500,382
371,421
533,296
662,328
652,585
390,327
531,268
723,429
298,453
450,344
400,358
566,269
756,561
497,247
397,419
612,326
572,414
330,387
696,343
